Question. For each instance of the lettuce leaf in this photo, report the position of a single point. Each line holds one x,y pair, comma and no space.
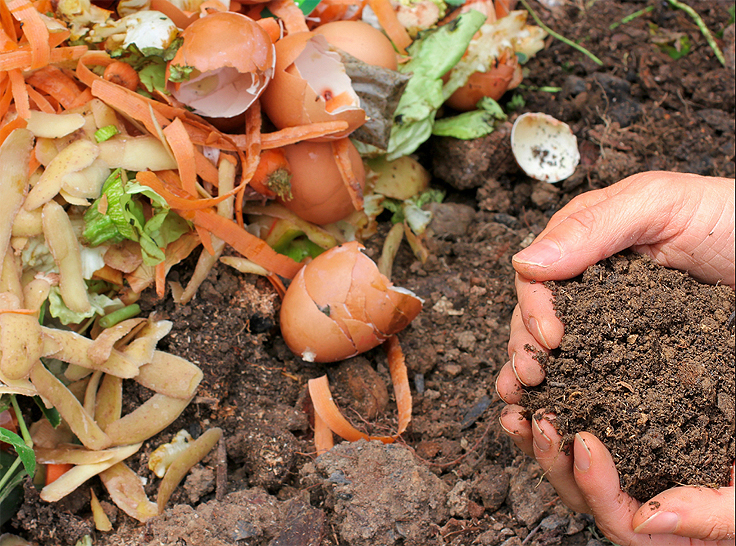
474,124
432,55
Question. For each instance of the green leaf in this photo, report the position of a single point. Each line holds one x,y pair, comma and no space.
470,125
179,74
52,414
432,55
11,493
27,457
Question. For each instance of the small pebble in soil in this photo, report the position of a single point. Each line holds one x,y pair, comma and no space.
647,365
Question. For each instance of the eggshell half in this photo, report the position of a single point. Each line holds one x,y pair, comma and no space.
359,303
362,41
544,147
234,60
310,85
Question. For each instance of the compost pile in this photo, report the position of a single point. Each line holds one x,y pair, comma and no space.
659,100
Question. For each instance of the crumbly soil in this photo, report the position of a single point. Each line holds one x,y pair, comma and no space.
454,478
646,364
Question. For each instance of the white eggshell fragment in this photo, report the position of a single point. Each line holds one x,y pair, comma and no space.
544,147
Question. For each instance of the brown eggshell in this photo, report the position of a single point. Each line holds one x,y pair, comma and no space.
362,41
234,60
493,84
367,311
307,330
290,101
318,192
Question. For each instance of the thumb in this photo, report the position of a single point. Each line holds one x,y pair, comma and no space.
696,512
584,233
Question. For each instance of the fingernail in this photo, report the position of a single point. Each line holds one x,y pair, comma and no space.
541,440
659,524
534,325
513,367
582,456
507,431
543,253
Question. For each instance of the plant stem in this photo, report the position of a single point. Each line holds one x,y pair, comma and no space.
9,473
21,422
703,29
560,37
631,17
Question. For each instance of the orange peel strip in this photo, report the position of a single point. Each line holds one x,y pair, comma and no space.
390,23
323,439
327,410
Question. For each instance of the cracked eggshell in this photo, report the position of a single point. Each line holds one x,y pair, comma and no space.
340,305
310,85
504,76
362,41
544,147
233,60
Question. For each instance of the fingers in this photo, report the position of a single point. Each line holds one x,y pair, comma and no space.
556,462
517,427
695,512
537,311
508,387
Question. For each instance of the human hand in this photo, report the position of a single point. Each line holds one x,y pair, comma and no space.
586,479
682,221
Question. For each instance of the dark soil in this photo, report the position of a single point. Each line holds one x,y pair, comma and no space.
646,364
454,478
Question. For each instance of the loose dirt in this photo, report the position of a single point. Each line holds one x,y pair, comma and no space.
454,478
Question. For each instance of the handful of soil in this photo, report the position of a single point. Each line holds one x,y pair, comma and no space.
647,365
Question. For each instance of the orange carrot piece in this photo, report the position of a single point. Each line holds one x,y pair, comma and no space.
9,127
83,98
6,96
55,83
292,135
183,149
55,471
390,23
206,238
245,243
205,169
323,439
270,162
58,36
34,30
327,410
128,103
276,282
179,199
253,124
22,57
340,151
20,93
91,58
122,74
39,100
7,22
161,279
290,14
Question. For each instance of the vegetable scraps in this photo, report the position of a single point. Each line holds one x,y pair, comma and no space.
131,138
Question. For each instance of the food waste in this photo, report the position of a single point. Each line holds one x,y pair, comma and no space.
269,136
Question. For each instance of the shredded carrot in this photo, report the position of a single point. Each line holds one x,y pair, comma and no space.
206,239
55,471
205,169
292,135
55,83
253,123
161,279
290,14
33,164
39,100
83,98
20,93
22,57
270,162
245,243
178,199
57,36
390,23
327,410
122,74
128,103
11,126
275,281
178,140
91,58
7,96
323,440
8,25
35,31
341,153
